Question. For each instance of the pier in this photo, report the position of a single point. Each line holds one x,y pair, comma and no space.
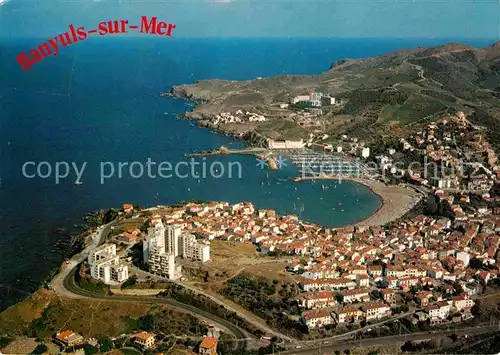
227,151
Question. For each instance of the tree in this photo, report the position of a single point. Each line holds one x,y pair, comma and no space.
475,263
105,344
431,207
40,349
131,281
89,349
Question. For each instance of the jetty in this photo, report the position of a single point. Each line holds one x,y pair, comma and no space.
226,151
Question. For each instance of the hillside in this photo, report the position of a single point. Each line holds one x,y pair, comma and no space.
391,94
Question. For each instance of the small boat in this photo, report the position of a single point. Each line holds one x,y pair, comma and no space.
262,182
78,182
189,189
198,181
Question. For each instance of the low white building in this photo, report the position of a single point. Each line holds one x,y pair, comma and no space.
300,98
364,152
318,300
348,314
376,311
356,295
462,302
327,100
318,318
285,144
464,257
439,311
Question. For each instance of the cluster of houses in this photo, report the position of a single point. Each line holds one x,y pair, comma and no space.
423,260
238,117
70,340
368,268
459,156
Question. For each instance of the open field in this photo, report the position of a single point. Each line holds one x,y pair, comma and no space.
44,313
230,259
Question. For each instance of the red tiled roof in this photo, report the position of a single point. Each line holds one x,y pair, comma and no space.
208,343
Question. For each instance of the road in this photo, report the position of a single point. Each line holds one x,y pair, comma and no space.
64,285
241,336
58,281
393,339
252,321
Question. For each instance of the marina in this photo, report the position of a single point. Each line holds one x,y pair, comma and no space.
324,164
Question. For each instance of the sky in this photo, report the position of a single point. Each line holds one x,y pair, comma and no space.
263,18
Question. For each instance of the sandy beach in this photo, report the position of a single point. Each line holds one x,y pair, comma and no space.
396,200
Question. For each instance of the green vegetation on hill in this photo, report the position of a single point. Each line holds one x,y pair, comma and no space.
271,300
201,302
406,88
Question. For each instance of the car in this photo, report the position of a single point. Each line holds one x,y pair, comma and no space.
298,347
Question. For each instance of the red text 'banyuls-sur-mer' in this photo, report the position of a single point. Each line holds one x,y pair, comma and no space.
73,35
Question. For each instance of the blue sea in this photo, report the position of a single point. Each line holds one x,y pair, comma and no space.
98,101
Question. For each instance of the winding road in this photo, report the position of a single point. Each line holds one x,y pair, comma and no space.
64,285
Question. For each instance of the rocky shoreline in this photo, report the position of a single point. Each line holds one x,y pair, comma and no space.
204,120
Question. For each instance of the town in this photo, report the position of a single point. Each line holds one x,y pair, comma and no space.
348,275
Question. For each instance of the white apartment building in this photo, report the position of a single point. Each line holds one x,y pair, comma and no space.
163,264
155,237
105,265
316,99
191,248
165,243
172,239
159,253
